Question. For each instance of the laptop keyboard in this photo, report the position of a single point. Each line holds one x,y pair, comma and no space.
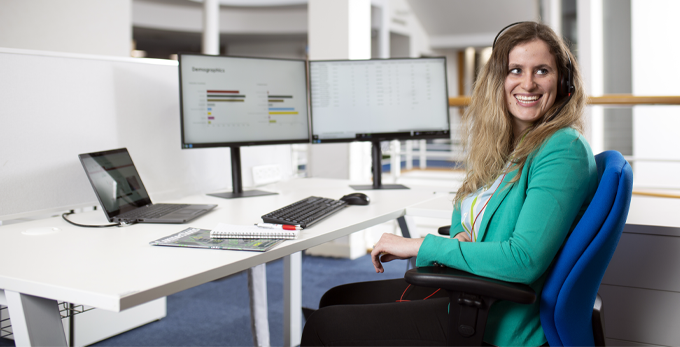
153,211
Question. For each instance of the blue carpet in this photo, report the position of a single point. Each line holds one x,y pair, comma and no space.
218,313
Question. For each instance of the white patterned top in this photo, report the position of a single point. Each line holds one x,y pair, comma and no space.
473,206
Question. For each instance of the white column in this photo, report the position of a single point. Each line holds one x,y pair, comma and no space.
340,29
590,59
552,15
422,144
395,160
469,70
597,71
257,276
409,154
211,27
384,29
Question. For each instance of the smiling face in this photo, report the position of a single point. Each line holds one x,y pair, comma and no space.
531,84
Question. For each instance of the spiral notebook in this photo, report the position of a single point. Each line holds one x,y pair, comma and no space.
227,231
200,238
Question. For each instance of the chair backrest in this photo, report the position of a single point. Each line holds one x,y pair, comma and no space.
571,287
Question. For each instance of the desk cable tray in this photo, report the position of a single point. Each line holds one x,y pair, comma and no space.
66,310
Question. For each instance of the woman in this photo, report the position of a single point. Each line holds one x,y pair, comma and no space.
530,176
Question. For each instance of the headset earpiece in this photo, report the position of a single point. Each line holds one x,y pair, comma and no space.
566,86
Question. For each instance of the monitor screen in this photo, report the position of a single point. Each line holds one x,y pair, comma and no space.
240,101
378,99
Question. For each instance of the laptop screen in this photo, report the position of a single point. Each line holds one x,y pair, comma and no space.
115,181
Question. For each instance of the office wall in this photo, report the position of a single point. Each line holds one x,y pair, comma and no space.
55,106
654,60
77,26
588,32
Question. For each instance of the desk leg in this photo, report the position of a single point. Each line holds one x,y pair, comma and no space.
259,318
292,299
407,234
35,321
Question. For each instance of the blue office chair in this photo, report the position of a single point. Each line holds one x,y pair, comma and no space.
571,309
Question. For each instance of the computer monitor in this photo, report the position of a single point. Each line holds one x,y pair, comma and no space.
231,102
377,100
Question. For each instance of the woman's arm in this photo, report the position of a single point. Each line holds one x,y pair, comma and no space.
561,177
391,247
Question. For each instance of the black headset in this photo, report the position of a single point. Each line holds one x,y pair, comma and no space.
566,86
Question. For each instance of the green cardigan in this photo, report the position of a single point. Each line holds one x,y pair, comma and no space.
523,228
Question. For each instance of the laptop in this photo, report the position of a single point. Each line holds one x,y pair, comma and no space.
122,195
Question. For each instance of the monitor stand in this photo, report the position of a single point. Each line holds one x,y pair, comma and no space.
236,182
376,155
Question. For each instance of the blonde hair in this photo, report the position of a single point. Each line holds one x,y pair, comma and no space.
487,130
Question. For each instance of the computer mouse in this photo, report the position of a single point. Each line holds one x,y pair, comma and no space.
356,199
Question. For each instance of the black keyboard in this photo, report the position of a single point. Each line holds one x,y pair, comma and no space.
305,212
153,211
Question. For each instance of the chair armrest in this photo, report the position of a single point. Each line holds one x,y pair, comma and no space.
445,230
461,281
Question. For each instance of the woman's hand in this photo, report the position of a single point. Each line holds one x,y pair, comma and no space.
462,237
391,247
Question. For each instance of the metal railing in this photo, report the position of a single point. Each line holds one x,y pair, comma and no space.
610,99
624,100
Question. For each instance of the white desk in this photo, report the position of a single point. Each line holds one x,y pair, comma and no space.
439,207
647,215
115,268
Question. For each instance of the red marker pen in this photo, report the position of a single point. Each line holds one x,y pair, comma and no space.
278,226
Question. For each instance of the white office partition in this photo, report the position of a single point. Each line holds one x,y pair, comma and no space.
54,106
